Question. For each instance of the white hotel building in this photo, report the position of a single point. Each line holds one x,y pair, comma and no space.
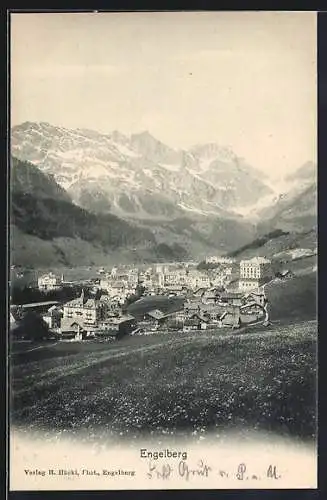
49,282
254,272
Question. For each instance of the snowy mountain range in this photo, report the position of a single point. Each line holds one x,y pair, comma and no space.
201,200
139,176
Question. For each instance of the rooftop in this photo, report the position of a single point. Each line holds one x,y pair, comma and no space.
118,284
67,324
256,292
232,295
284,272
88,304
156,314
39,304
118,320
53,308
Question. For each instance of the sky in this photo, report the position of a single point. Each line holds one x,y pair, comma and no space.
241,79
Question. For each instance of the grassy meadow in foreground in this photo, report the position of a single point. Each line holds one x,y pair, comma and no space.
190,383
257,378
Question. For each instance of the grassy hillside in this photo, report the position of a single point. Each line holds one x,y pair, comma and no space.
175,384
171,385
146,304
294,299
31,251
28,250
275,242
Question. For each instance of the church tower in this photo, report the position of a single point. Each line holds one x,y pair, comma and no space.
83,299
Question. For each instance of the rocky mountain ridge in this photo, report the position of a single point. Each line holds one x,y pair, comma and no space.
139,176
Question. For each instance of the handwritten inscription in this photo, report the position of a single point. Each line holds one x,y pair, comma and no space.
159,472
201,469
183,470
272,472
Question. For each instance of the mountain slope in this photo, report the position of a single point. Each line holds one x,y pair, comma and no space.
296,209
202,236
45,213
138,176
300,213
26,178
49,218
40,208
276,243
307,172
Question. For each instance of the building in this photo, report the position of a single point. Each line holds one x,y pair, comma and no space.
192,323
256,268
175,277
53,317
193,304
175,290
249,284
118,288
257,297
157,320
105,283
231,298
254,272
212,296
110,306
231,318
88,312
133,277
150,321
49,282
113,272
72,329
284,274
16,313
156,315
14,323
39,307
211,313
195,279
219,260
115,327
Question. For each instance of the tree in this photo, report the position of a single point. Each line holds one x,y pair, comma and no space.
33,327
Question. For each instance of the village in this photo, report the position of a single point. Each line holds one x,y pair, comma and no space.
220,293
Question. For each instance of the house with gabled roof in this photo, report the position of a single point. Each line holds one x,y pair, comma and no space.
88,311
53,317
49,282
231,318
72,329
156,314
